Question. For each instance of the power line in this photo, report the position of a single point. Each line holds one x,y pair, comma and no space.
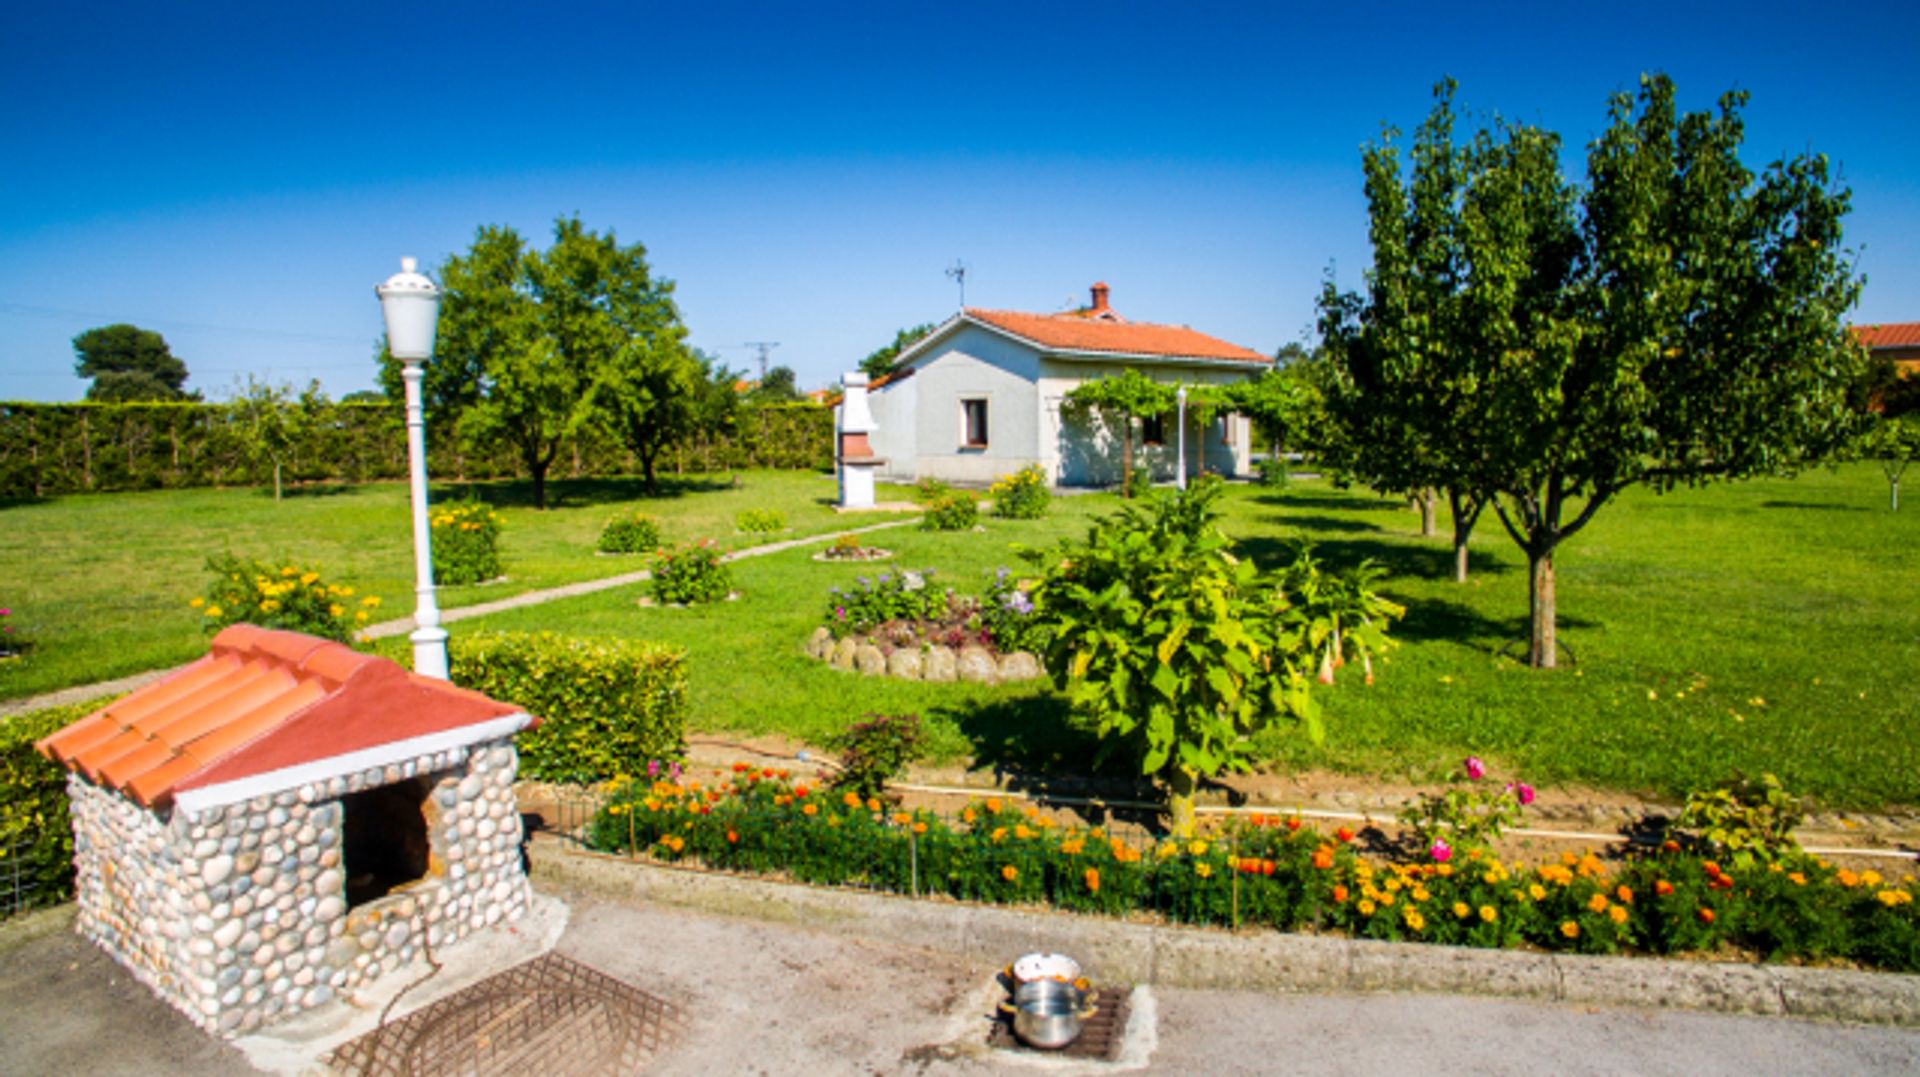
10,307
765,347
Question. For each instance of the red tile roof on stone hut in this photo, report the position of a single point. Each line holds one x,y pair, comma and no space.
266,711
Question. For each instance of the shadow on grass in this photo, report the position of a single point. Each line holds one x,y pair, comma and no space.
1033,745
1813,506
310,490
15,501
1318,523
518,493
1302,499
1429,562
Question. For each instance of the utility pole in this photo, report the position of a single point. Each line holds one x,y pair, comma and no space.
766,347
957,272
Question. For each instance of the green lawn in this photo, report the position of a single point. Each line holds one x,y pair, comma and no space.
1769,625
99,584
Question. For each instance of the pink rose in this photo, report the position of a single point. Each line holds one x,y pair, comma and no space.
1476,770
1524,792
1441,850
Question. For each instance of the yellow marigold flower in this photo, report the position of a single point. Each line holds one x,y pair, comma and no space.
1009,873
1022,833
196,603
1365,906
1420,893
1537,892
1797,878
919,828
289,571
1394,885
269,605
1598,903
851,800
1570,929
1618,913
1386,899
336,610
993,805
1203,869
1489,914
999,833
1198,848
1847,878
1415,921
213,611
967,816
308,578
345,590
1443,870
360,616
1869,878
1462,910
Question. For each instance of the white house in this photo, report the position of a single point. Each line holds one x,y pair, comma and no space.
980,397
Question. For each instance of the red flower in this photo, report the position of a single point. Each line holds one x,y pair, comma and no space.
1705,915
1344,834
1293,822
733,838
1662,887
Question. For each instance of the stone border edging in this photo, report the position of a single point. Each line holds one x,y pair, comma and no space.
1251,961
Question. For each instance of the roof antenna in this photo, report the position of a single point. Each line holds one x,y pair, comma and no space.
765,347
957,272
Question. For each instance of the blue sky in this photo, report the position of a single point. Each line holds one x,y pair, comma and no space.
240,177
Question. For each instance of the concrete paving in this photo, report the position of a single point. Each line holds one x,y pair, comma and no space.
765,998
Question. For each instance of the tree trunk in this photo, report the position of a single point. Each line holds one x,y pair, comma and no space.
276,482
1429,502
1126,458
1540,641
1893,496
1181,783
647,470
1466,513
537,470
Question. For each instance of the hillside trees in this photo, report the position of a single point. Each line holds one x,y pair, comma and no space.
1675,321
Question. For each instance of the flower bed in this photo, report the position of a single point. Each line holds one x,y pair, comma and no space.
1275,871
900,625
847,548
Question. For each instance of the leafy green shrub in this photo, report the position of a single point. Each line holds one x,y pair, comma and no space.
1273,473
466,538
1471,814
891,597
607,706
954,512
1138,485
874,752
691,573
1022,495
1349,616
36,835
633,533
289,596
929,490
761,521
1745,820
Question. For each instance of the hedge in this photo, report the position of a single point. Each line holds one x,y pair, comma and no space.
608,706
51,449
36,835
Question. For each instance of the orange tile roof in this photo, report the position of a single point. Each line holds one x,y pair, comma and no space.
1889,335
260,701
1079,332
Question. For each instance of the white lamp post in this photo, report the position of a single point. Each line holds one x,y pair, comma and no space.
411,306
1180,438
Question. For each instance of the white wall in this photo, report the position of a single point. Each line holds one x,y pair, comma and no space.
1080,452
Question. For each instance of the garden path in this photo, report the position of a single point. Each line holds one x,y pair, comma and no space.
403,625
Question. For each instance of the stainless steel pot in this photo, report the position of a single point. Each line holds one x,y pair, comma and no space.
1048,1014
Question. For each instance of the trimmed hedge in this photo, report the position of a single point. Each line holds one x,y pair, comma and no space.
608,706
36,834
50,449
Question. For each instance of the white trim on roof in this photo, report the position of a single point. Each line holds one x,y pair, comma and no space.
219,795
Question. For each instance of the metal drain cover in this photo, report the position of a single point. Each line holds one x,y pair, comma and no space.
552,1016
1100,1036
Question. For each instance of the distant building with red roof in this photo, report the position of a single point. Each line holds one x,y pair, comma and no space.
1898,341
980,396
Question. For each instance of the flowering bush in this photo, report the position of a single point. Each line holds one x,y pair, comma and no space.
288,596
1022,495
761,521
1745,820
630,533
873,752
902,597
466,538
1271,871
954,512
929,490
691,573
1471,814
1007,614
10,644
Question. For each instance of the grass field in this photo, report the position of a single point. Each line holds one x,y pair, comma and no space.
1770,625
99,584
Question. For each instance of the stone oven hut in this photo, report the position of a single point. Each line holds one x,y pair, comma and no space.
286,819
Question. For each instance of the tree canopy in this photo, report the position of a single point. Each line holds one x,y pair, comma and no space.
1122,400
1676,320
882,361
129,363
780,386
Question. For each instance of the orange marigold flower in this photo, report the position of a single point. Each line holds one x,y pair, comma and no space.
1711,867
1257,819
967,816
733,837
1846,878
810,809
1344,834
1598,903
1339,895
1009,873
1624,893
851,800
1323,857
1797,878
1669,846
873,803
1570,929
1293,822
1618,913
1093,880
993,804
1705,915
1662,887
901,818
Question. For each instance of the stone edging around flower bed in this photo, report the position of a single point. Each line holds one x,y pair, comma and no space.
1119,951
975,665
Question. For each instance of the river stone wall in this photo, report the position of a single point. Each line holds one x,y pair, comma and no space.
238,915
927,662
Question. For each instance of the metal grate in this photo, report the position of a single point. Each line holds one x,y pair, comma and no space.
1100,1036
552,1016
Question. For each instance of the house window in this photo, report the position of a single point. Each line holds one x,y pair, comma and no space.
1153,429
383,838
974,421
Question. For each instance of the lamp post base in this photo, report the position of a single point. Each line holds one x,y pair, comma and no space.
430,651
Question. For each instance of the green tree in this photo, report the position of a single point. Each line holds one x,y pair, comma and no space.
1674,322
1894,443
531,336
881,362
274,421
780,386
1285,403
129,363
1122,401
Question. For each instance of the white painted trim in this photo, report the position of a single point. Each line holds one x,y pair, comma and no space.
207,797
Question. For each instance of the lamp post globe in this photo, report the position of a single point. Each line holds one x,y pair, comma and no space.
410,304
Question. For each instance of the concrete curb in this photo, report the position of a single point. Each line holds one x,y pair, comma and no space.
1175,956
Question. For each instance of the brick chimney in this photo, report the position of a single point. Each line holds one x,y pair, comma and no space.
1100,300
